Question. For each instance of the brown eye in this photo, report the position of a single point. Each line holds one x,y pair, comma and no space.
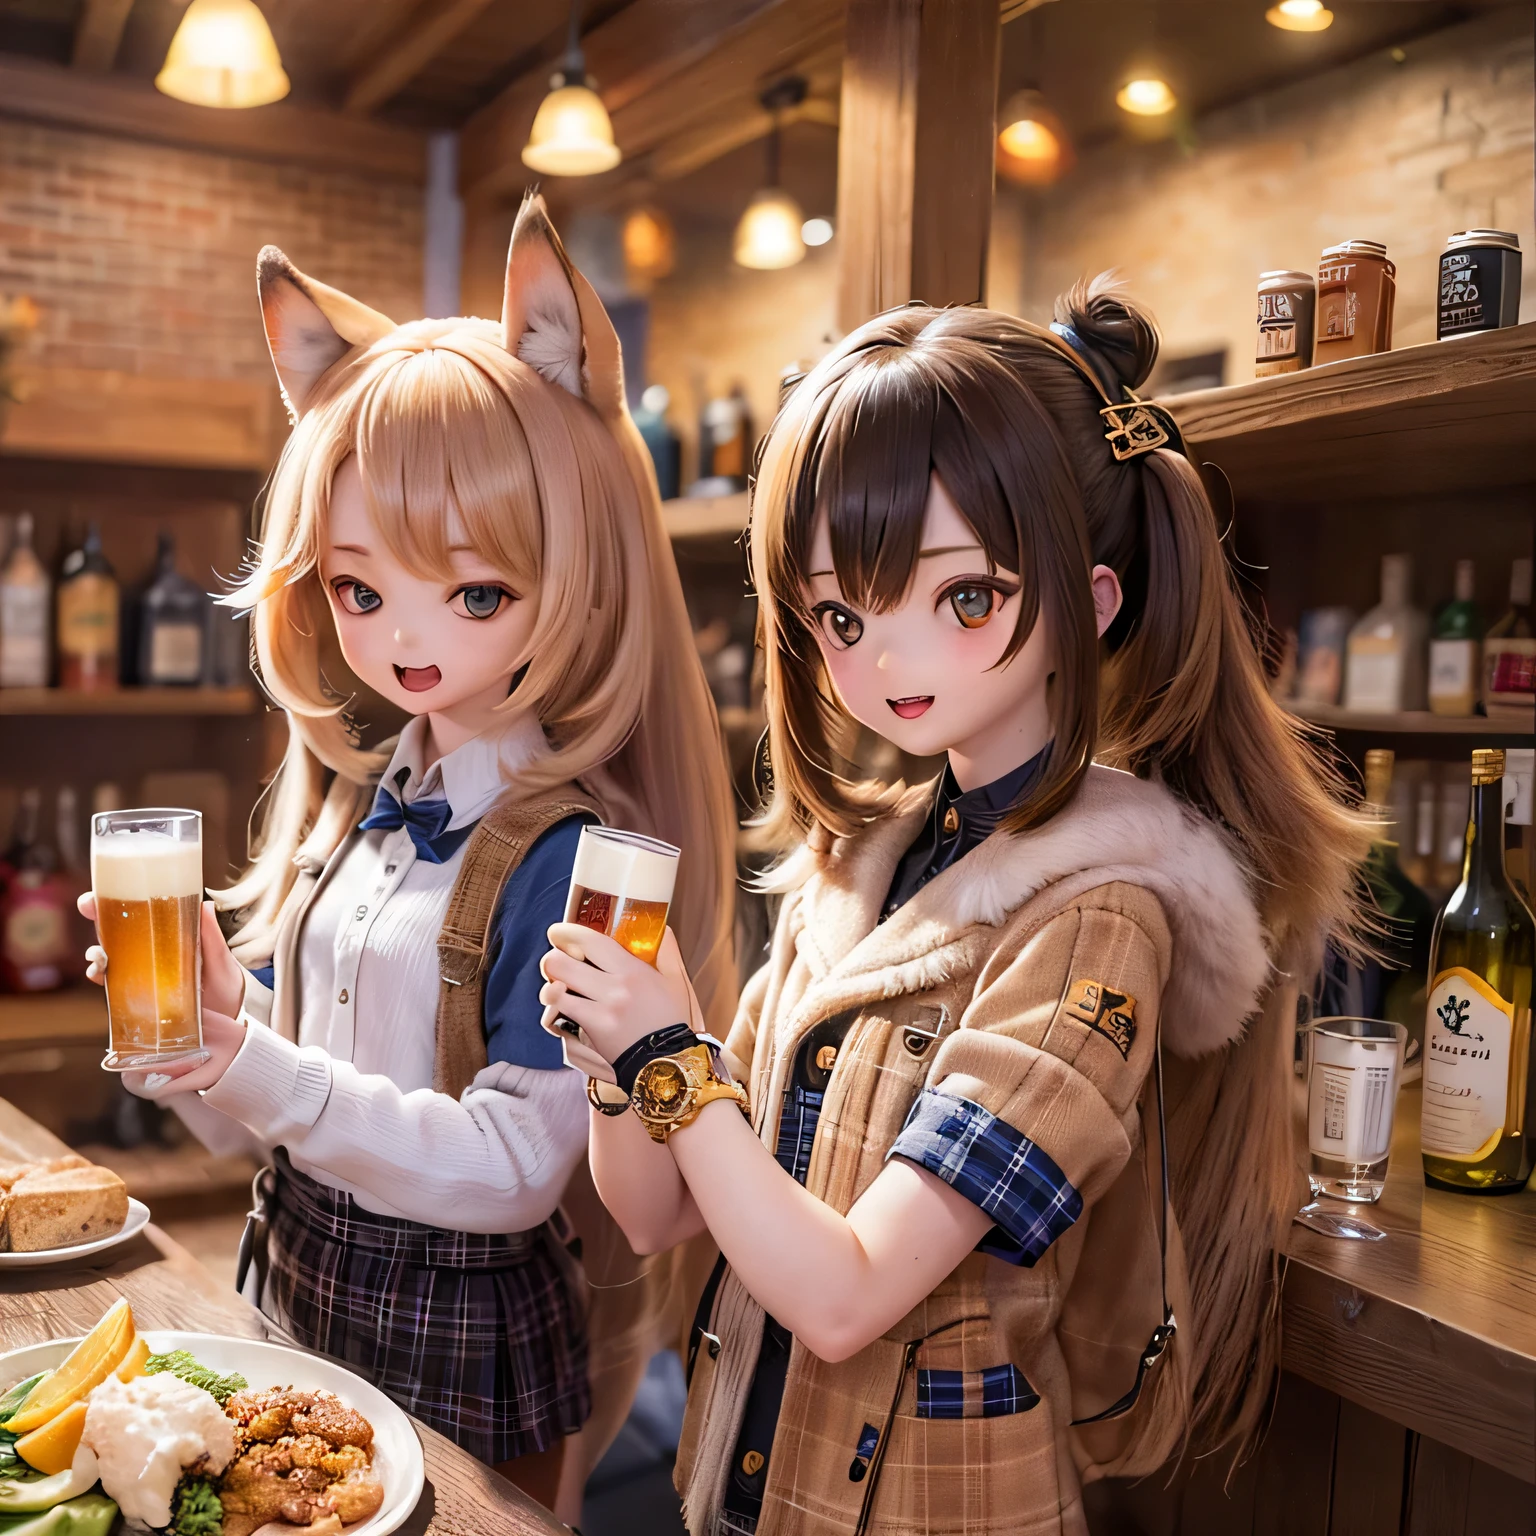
840,626
972,604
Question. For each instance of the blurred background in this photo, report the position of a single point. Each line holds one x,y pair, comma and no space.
692,157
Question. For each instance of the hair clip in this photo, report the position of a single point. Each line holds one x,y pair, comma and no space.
1134,428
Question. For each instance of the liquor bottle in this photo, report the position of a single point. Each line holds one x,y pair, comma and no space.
1519,771
87,617
1479,1086
658,436
34,927
174,614
1384,661
23,613
1455,660
73,877
1509,652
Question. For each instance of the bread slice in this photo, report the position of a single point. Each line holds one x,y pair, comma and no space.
11,1172
58,1207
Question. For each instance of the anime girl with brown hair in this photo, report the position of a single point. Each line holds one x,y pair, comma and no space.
978,1247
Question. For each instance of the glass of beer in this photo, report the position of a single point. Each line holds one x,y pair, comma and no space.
621,885
147,876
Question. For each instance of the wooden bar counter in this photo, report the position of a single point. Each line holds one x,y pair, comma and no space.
168,1288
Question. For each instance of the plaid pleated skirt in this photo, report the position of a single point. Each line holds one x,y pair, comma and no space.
481,1336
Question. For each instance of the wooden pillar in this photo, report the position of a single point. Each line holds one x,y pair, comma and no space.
915,153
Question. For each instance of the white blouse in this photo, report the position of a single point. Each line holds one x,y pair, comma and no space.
353,1101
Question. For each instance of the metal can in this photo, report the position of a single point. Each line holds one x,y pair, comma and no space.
1287,320
1479,282
1356,289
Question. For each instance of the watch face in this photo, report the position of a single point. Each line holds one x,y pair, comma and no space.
662,1090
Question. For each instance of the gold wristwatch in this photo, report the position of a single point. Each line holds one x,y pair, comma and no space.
670,1091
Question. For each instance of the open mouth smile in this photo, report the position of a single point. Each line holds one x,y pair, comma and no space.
418,679
910,708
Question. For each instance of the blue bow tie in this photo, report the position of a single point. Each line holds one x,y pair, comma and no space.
426,820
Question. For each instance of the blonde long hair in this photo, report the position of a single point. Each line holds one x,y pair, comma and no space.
444,417
1010,420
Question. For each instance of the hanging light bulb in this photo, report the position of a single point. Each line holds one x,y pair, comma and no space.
571,133
223,56
1031,147
1149,97
1299,16
769,233
816,231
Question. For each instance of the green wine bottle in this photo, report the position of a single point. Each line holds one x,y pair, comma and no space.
1479,1087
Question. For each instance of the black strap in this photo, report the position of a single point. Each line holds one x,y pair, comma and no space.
652,1047
1164,1332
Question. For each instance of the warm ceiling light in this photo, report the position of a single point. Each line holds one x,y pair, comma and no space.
571,134
1299,16
223,56
650,246
768,236
1146,98
1031,148
816,231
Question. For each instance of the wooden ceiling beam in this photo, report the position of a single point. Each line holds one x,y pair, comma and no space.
691,151
98,33
283,132
409,52
632,56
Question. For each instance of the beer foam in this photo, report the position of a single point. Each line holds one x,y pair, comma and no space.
145,866
625,864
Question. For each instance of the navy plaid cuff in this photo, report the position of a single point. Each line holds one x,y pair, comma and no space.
996,1168
988,1394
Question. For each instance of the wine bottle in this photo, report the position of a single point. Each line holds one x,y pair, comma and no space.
1479,1089
1455,649
1407,914
87,604
173,624
23,613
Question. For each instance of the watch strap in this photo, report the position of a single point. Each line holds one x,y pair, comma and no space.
660,1042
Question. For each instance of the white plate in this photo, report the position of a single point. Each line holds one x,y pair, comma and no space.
396,1450
138,1214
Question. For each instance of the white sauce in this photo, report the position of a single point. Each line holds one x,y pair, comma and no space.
145,1432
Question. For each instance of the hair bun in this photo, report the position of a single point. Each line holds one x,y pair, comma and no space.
1124,336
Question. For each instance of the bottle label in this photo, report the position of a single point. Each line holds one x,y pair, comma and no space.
1511,670
88,616
23,636
1373,677
176,653
1467,1030
1453,674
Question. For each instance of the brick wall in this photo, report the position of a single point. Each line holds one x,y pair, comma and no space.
142,258
1402,152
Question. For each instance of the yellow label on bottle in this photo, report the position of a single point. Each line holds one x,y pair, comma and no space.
1467,1033
87,609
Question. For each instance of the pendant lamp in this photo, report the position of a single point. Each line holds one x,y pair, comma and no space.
769,236
223,56
1300,16
571,133
1031,143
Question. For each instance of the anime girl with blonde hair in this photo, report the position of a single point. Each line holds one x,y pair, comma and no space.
464,519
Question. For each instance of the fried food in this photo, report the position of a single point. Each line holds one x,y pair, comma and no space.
268,1413
300,1479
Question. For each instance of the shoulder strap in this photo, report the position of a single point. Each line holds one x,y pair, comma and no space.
494,850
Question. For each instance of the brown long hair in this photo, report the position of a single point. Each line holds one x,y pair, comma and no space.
1010,422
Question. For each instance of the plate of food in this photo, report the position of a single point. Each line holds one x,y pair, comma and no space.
196,1434
60,1210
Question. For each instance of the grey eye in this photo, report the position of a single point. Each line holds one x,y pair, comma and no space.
482,602
356,598
972,604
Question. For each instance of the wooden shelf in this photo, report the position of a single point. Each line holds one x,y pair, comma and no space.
77,1016
1411,722
1445,417
128,701
705,517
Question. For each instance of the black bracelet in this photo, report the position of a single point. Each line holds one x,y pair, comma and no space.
661,1042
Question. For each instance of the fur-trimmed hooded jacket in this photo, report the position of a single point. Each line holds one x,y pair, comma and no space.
1004,1028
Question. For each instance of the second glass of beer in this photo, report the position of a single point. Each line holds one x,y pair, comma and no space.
147,876
621,885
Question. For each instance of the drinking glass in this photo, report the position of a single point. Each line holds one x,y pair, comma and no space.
147,875
1353,1068
621,885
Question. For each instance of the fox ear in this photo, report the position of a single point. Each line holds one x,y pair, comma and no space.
309,326
552,318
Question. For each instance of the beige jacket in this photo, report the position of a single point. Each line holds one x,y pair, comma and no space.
1032,979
